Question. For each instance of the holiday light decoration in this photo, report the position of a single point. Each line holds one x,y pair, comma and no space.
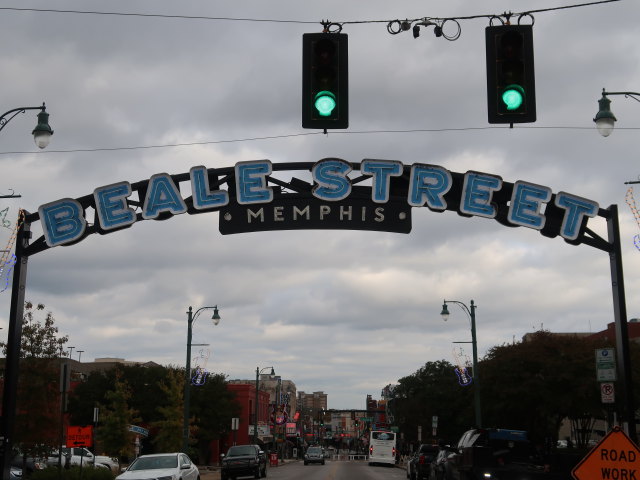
462,364
7,275
200,376
3,218
631,201
8,259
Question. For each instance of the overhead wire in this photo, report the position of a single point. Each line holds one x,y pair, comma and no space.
275,20
305,134
402,23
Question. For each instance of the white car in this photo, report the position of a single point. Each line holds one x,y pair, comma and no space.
165,466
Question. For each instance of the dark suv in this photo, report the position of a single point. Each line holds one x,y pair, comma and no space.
243,460
420,463
497,454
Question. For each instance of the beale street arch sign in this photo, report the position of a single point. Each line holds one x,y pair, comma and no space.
259,195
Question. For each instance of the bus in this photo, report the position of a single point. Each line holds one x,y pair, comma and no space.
382,447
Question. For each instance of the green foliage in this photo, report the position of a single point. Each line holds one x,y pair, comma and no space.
212,408
531,385
433,391
37,421
534,384
116,416
169,427
73,473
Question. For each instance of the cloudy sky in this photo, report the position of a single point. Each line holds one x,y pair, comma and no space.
159,90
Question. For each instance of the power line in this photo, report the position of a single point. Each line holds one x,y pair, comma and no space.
273,20
306,134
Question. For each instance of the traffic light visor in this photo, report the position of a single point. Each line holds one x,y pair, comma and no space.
324,103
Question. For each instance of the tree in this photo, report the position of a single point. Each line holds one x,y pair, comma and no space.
534,384
169,427
212,408
116,418
431,391
38,415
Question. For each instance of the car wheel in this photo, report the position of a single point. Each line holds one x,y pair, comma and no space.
256,474
264,472
322,462
306,463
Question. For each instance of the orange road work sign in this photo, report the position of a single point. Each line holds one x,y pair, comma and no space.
616,457
79,436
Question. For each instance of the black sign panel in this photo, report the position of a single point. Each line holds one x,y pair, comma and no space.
304,212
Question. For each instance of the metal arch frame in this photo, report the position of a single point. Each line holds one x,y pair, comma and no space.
24,249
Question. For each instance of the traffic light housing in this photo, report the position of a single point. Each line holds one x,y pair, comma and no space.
511,89
325,80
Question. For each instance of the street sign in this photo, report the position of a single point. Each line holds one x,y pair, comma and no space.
80,436
607,393
605,364
615,457
139,430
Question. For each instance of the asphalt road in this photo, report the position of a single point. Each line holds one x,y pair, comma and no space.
332,469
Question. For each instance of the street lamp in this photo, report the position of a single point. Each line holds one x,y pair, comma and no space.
191,317
255,420
605,119
476,380
41,133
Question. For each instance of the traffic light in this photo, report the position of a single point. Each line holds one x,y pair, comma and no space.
325,80
511,89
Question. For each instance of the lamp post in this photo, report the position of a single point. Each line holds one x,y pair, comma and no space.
41,133
191,317
255,420
471,311
605,119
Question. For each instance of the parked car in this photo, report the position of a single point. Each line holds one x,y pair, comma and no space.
421,462
496,453
72,456
167,466
411,465
314,455
26,463
440,467
243,460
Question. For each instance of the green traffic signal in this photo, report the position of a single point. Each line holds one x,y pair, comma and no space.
513,97
324,103
325,80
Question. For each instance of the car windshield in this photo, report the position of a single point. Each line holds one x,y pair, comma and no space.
152,463
314,450
242,450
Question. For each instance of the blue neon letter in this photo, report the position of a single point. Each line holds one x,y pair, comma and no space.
382,171
576,208
330,176
428,183
162,196
251,182
111,206
203,198
477,192
62,221
526,201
